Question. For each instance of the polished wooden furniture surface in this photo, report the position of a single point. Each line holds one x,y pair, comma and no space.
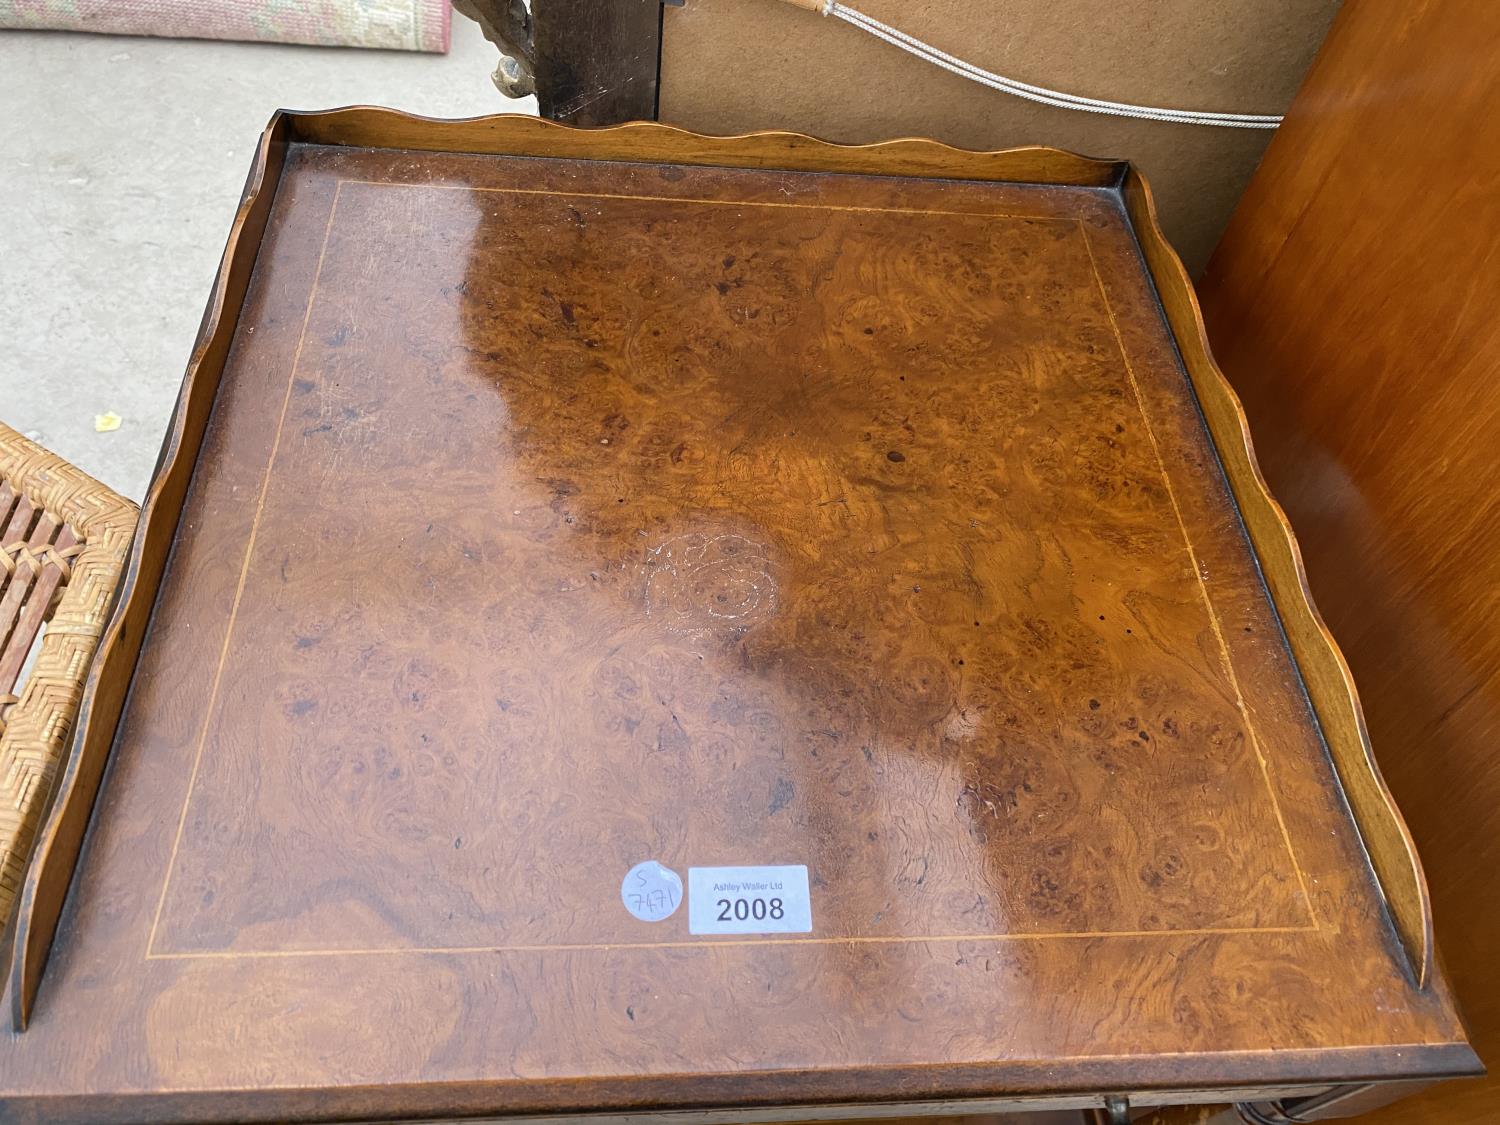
541,502
63,538
1352,303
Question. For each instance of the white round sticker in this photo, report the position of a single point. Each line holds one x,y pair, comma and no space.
651,892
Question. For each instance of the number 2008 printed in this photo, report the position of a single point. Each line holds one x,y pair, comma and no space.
744,909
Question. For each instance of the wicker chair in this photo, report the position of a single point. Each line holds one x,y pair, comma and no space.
63,541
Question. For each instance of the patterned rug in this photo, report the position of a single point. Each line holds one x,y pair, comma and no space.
400,25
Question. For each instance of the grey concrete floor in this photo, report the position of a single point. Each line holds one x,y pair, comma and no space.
119,176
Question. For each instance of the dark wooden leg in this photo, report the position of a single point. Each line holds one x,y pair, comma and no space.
596,60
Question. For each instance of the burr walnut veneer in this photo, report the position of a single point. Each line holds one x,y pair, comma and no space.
541,502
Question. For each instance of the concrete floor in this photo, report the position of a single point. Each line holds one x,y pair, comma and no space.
119,176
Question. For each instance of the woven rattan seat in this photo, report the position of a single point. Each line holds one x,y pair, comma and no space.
63,539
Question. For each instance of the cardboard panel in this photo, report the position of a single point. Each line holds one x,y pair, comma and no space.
732,66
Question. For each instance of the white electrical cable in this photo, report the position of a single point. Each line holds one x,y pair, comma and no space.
1041,94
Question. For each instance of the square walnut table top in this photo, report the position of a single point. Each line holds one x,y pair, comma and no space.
547,508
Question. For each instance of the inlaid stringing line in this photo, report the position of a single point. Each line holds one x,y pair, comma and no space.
1213,616
260,507
586,947
726,202
255,529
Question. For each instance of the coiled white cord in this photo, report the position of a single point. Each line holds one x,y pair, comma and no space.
1041,94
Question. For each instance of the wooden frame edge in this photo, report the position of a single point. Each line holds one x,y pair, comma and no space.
856,1093
60,838
1325,674
510,134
